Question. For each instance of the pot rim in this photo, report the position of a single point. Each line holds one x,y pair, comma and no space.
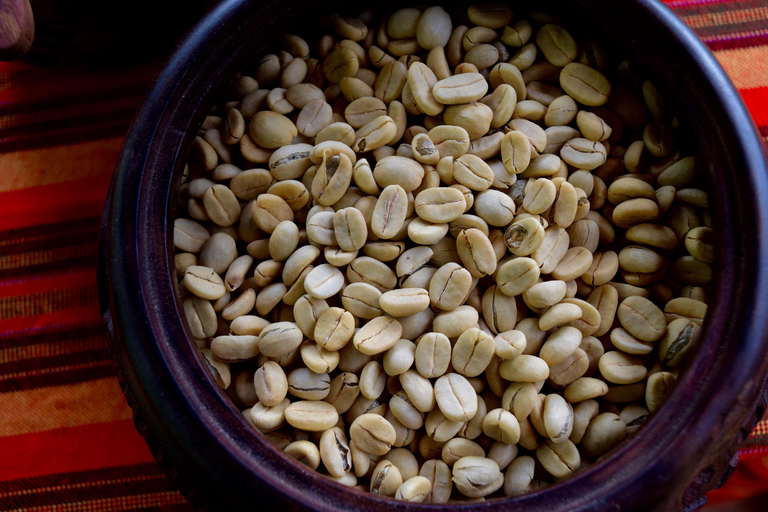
133,287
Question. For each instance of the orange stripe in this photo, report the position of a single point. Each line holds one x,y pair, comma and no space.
48,204
70,405
48,282
68,317
47,166
66,450
746,67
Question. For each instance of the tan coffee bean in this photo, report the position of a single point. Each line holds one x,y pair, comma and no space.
385,479
334,328
421,80
311,415
461,88
516,152
659,387
189,235
472,172
495,207
372,434
350,229
221,205
574,263
369,270
585,84
203,282
690,270
267,418
390,83
432,355
334,452
280,338
343,392
308,385
524,368
698,242
390,212
592,126
585,388
583,153
404,302
635,211
472,352
449,140
332,179
378,335
375,134
641,318
317,358
502,426
551,250
654,235
284,240
231,349
475,118
271,130
517,275
476,252
416,489
341,63
398,170
269,210
324,281
620,368
439,475
558,315
681,337
439,204
544,294
433,28
524,236
419,390
455,397
557,45
558,418
604,432
518,479
306,452
559,459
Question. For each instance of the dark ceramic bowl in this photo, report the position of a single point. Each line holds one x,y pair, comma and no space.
220,463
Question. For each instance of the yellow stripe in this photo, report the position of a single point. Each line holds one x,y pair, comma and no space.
746,67
70,405
113,504
58,348
726,17
82,485
48,166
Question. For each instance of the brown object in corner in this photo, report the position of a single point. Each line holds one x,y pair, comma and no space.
17,29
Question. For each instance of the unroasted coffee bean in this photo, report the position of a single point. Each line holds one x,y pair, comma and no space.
429,235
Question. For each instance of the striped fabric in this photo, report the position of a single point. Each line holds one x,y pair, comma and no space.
67,440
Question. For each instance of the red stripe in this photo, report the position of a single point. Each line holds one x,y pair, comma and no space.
54,203
726,42
757,102
59,319
48,282
100,445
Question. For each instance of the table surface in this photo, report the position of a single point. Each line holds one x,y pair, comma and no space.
66,434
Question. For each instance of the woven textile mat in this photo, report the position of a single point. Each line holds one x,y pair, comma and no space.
67,439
